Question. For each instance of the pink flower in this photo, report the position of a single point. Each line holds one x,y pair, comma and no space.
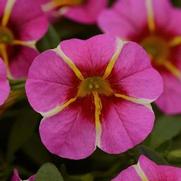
4,84
94,92
16,177
22,24
147,170
82,11
156,25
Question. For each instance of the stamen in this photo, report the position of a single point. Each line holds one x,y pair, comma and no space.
69,62
7,11
172,69
175,42
150,15
30,44
98,108
140,172
59,108
110,66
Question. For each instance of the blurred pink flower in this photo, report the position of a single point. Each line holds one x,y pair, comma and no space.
4,84
16,177
22,24
156,25
94,92
82,11
147,170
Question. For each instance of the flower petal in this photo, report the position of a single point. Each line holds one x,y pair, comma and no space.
20,60
169,101
86,13
2,7
121,22
156,172
90,56
4,84
127,175
146,84
16,176
50,82
138,79
164,12
25,23
71,133
118,118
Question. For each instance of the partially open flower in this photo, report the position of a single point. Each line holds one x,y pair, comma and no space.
22,24
82,11
147,170
16,177
94,92
4,84
156,25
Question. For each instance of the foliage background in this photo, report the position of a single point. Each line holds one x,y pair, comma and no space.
20,144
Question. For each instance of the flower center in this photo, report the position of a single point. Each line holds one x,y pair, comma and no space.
94,84
157,47
6,36
68,2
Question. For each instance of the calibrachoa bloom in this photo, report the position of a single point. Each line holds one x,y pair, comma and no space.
16,177
4,84
82,11
156,25
147,170
94,92
22,24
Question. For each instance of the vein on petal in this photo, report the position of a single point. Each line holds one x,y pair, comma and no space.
141,101
98,108
69,62
172,69
175,41
140,172
30,44
58,108
7,11
150,15
110,66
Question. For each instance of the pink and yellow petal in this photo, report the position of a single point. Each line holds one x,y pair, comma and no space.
90,56
86,13
120,116
4,84
159,172
147,170
128,174
16,177
137,79
50,82
71,133
165,12
25,23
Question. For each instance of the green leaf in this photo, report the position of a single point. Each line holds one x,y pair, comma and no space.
50,40
48,172
166,128
152,154
22,130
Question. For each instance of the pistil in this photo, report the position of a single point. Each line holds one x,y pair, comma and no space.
94,84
